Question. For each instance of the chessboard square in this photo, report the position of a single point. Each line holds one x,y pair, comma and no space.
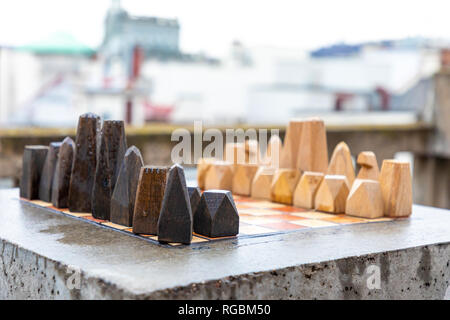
283,226
93,219
290,209
78,214
313,223
243,199
198,239
242,206
259,212
285,217
257,220
115,226
128,230
41,203
264,205
252,230
345,220
379,219
313,215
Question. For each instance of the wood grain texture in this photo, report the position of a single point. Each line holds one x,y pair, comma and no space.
219,176
48,172
32,164
63,170
283,185
262,182
313,151
273,153
365,199
332,194
369,166
202,169
306,189
243,178
291,146
341,162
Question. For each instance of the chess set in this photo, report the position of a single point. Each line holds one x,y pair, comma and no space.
99,180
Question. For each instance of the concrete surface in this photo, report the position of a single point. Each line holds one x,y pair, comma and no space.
42,252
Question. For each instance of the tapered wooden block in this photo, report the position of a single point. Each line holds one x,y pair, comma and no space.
396,188
124,194
112,149
306,189
262,182
32,165
273,152
243,178
175,222
369,166
194,198
202,168
292,142
313,153
365,199
216,215
252,152
83,170
61,178
219,176
235,153
332,194
149,197
48,171
283,185
341,162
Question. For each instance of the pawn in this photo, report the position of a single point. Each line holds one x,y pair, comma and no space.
194,198
175,222
365,199
396,188
61,178
261,183
369,166
313,152
242,178
45,185
124,194
332,194
306,189
219,176
149,197
32,164
202,169
341,163
283,185
216,215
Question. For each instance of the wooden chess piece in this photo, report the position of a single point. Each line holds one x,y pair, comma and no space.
283,185
365,199
112,149
306,189
273,152
396,188
332,194
202,168
252,153
291,147
32,164
194,198
216,215
235,153
341,163
219,176
369,166
124,194
61,178
243,178
313,153
175,222
48,171
262,182
83,170
149,197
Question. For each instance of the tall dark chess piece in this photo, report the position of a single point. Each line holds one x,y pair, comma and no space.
124,194
175,219
83,170
45,185
194,198
33,162
112,149
61,177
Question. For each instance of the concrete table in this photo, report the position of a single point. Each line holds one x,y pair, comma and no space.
50,256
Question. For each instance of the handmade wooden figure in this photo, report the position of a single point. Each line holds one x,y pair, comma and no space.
235,152
313,153
283,185
175,222
365,199
219,176
216,215
243,178
292,140
194,198
369,166
149,197
332,194
32,164
273,152
341,163
262,182
61,177
306,189
83,170
112,149
396,188
252,152
48,171
202,168
124,194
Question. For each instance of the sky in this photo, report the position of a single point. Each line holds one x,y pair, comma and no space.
210,26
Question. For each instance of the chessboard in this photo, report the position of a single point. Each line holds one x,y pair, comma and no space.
257,218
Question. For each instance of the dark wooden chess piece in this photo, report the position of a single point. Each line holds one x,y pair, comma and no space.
124,194
83,170
216,215
149,197
112,149
33,162
48,171
175,221
194,198
61,177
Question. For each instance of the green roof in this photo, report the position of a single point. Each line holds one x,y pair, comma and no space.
58,43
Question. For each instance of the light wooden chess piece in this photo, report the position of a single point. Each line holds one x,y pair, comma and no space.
273,152
219,176
235,152
262,182
290,150
369,166
365,199
252,153
202,168
332,194
341,163
306,189
396,188
313,153
283,185
243,178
